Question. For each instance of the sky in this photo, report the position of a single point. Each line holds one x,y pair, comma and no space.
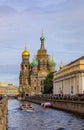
22,22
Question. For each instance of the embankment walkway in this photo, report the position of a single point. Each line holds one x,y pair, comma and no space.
66,105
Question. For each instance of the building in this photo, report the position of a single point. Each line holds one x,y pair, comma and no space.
8,89
32,74
70,78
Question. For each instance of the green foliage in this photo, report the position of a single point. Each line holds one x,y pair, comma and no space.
48,84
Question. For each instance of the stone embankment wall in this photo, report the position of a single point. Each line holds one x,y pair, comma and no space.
3,114
66,105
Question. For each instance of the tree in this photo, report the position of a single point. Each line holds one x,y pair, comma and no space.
48,84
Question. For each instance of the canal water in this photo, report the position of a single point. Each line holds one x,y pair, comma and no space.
41,119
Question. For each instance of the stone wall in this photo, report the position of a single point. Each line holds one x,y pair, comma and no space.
3,114
66,105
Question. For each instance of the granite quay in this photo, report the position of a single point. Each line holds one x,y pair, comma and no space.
3,113
68,103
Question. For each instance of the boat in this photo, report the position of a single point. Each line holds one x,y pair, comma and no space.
46,104
26,107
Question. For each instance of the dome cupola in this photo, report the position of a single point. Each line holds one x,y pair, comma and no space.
34,62
42,38
25,53
61,66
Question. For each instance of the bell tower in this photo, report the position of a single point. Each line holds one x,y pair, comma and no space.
42,56
24,79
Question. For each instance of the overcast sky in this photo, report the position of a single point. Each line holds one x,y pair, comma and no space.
22,21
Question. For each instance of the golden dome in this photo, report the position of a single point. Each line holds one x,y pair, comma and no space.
61,66
25,53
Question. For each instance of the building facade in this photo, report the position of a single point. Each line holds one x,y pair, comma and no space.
8,89
32,74
70,78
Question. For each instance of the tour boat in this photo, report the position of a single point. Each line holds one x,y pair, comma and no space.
26,107
46,104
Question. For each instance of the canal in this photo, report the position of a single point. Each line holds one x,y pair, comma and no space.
41,119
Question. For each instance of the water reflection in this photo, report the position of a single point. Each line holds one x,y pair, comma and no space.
41,119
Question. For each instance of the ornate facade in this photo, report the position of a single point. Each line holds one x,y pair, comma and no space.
32,74
70,78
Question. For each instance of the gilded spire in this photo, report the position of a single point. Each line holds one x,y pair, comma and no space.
42,38
25,47
42,34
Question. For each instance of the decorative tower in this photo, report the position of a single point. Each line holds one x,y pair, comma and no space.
34,65
43,64
43,57
24,79
34,75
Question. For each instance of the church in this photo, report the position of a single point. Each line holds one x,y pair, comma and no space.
32,75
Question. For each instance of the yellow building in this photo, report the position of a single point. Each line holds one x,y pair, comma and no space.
8,89
70,78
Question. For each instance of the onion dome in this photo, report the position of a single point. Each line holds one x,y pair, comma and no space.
42,38
61,66
52,63
34,63
25,53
